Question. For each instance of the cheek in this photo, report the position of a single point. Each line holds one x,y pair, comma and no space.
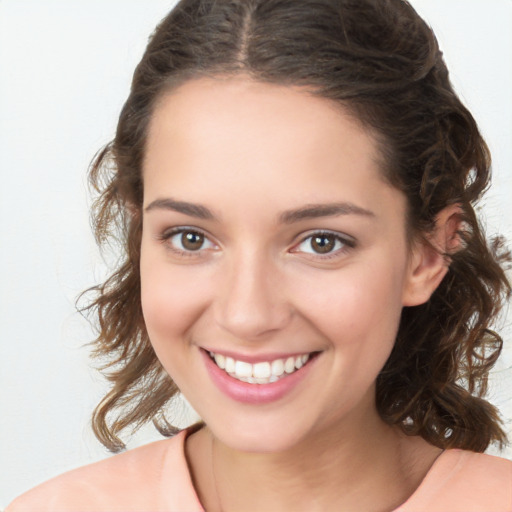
172,299
358,306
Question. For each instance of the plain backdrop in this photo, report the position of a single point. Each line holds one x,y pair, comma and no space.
65,70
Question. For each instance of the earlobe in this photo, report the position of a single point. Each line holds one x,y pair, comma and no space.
430,257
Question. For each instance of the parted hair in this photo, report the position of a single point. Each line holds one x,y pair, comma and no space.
381,62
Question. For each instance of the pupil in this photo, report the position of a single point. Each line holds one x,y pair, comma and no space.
192,241
323,244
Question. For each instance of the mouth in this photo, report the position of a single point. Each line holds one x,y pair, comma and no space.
262,372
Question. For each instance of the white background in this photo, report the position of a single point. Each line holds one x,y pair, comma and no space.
65,70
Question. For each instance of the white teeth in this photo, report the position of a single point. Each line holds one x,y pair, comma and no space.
261,370
289,365
230,365
243,369
277,367
220,360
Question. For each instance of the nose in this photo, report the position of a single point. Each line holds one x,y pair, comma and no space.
251,303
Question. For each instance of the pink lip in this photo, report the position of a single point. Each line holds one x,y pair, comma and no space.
258,358
255,393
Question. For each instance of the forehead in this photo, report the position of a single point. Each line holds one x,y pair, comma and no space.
239,109
258,138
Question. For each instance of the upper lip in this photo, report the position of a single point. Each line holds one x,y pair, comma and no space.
257,358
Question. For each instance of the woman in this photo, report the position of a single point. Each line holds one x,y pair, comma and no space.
294,184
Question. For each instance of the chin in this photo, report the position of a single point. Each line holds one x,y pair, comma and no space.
260,437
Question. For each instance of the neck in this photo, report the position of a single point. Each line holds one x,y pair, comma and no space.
365,466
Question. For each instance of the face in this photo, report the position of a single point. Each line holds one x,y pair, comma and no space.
274,260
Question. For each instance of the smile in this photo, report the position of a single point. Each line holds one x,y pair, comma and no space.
263,372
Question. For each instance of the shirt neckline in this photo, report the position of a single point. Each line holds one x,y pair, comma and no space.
428,484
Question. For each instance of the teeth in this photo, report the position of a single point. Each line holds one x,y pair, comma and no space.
261,370
220,360
230,365
289,365
243,369
260,373
277,367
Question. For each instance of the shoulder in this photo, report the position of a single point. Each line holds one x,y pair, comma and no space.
464,481
151,477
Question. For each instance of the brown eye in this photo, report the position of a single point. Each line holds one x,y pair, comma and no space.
192,241
323,244
185,241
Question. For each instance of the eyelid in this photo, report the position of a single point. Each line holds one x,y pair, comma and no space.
347,242
166,235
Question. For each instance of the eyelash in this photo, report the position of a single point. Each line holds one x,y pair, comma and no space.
346,242
166,237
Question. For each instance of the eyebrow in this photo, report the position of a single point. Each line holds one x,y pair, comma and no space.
314,211
193,210
311,211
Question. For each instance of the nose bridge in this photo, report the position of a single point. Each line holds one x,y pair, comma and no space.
252,301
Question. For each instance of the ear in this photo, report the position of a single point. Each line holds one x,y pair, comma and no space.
430,257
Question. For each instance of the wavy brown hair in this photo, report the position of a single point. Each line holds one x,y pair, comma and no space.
379,60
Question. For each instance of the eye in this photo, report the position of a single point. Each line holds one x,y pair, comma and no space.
324,244
187,241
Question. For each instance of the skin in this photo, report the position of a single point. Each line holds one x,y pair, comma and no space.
248,152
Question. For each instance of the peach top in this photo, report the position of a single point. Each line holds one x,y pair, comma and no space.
155,477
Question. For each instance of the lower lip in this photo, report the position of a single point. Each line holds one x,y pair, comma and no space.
255,393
